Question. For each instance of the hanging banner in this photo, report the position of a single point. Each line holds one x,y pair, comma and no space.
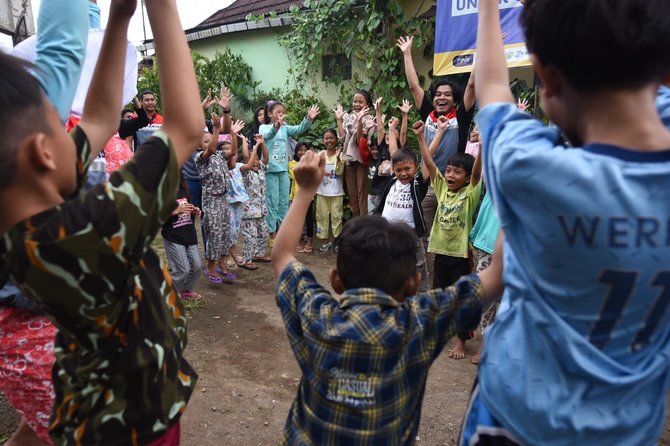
456,35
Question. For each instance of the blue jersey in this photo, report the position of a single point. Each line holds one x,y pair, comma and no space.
580,349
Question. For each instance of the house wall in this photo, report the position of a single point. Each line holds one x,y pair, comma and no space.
270,62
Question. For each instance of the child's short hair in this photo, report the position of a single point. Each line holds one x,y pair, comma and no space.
22,110
403,155
373,253
463,160
601,44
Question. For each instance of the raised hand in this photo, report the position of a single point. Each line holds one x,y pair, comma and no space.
522,104
362,112
393,123
405,107
224,98
216,122
313,112
237,127
339,112
208,101
369,125
259,139
417,128
378,103
442,123
405,43
123,8
308,173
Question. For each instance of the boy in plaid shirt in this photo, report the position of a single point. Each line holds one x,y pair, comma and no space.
364,357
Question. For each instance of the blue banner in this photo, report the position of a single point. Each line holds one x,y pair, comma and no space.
456,35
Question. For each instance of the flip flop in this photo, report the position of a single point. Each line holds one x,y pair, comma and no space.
213,278
239,260
230,263
263,259
251,266
300,249
190,295
307,249
228,277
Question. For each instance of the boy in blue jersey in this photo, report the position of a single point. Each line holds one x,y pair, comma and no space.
580,350
364,357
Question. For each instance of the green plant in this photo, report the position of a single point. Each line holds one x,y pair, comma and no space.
226,68
364,31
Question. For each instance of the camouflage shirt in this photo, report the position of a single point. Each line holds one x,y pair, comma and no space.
119,376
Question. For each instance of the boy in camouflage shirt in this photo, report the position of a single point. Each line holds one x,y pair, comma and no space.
119,376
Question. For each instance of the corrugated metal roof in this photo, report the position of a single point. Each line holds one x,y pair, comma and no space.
240,9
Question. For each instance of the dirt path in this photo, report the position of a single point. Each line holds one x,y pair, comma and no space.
248,376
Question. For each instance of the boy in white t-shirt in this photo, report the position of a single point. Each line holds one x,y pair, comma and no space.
401,202
330,195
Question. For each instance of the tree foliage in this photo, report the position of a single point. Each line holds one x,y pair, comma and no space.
226,68
365,31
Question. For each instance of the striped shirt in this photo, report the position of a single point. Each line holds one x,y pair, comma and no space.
365,358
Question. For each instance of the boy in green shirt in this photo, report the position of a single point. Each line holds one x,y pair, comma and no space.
458,192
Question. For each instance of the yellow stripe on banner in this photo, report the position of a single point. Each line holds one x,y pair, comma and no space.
455,62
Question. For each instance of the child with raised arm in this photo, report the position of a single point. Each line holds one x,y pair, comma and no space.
580,350
119,376
236,194
355,171
215,178
276,134
254,227
458,192
364,357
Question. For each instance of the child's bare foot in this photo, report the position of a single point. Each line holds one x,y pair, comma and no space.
458,352
475,357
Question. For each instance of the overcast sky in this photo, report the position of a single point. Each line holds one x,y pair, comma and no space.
191,13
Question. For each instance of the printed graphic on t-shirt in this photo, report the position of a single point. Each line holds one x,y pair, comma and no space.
184,218
399,207
278,153
450,216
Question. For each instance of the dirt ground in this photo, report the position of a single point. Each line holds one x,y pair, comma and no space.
248,376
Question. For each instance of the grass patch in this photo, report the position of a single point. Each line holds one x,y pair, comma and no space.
193,304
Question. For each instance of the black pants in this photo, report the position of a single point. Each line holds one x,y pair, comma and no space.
446,271
310,221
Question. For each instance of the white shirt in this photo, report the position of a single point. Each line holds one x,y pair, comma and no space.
399,207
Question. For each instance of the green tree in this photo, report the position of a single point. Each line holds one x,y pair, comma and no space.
365,31
226,68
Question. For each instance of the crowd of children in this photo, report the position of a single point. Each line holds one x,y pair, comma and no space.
582,326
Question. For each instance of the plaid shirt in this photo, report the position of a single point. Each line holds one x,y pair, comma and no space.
365,359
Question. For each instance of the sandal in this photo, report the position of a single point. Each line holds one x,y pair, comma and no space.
213,278
230,263
239,260
307,249
251,266
300,249
228,277
190,295
263,259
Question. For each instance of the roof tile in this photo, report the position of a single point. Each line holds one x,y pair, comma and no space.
240,9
